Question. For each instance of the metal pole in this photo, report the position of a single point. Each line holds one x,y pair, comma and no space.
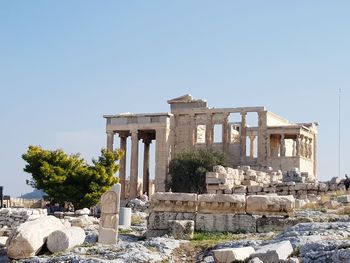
339,136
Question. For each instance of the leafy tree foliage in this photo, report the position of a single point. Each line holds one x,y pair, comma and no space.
68,178
188,170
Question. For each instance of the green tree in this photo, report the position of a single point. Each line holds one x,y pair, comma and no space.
188,170
68,178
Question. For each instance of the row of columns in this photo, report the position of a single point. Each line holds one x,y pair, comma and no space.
133,182
302,146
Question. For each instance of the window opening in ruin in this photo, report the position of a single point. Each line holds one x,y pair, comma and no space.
252,144
234,133
252,119
234,120
289,145
200,138
217,133
255,147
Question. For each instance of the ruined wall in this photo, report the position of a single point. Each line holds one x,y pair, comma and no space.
13,217
215,212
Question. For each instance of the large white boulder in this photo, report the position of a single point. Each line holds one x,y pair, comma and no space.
228,255
274,252
84,211
65,239
27,240
270,205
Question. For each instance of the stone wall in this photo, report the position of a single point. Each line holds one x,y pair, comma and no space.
13,217
245,180
215,212
24,203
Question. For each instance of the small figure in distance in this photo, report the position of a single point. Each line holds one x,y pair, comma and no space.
347,182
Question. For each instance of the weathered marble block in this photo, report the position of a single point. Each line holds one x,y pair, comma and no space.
181,229
344,199
108,228
219,169
159,220
225,222
270,205
226,255
174,202
275,252
221,203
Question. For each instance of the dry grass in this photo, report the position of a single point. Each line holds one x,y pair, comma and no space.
339,193
344,210
136,220
325,198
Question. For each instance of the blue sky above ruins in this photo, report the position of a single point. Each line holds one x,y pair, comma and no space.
65,64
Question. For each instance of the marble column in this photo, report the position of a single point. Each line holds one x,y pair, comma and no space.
122,163
193,130
294,148
251,139
209,131
110,140
225,134
302,146
146,151
310,148
243,136
134,164
282,146
297,146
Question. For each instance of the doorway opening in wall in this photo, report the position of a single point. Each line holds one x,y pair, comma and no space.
252,144
218,133
234,120
200,133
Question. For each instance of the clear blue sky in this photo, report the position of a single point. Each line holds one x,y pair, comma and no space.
63,64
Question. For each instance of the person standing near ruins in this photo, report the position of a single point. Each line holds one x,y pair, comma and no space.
347,182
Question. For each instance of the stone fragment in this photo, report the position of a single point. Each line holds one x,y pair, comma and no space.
181,229
275,252
221,203
228,255
272,224
344,199
108,228
27,240
150,233
225,222
84,211
173,202
65,239
219,169
270,205
159,220
3,241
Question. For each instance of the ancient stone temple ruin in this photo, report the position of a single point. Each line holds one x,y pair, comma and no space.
272,142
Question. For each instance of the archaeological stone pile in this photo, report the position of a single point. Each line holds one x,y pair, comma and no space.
13,217
245,180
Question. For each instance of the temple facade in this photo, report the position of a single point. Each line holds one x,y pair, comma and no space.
270,141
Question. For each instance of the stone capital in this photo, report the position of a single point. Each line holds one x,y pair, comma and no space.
123,134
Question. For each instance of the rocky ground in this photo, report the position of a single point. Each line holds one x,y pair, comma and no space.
324,239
